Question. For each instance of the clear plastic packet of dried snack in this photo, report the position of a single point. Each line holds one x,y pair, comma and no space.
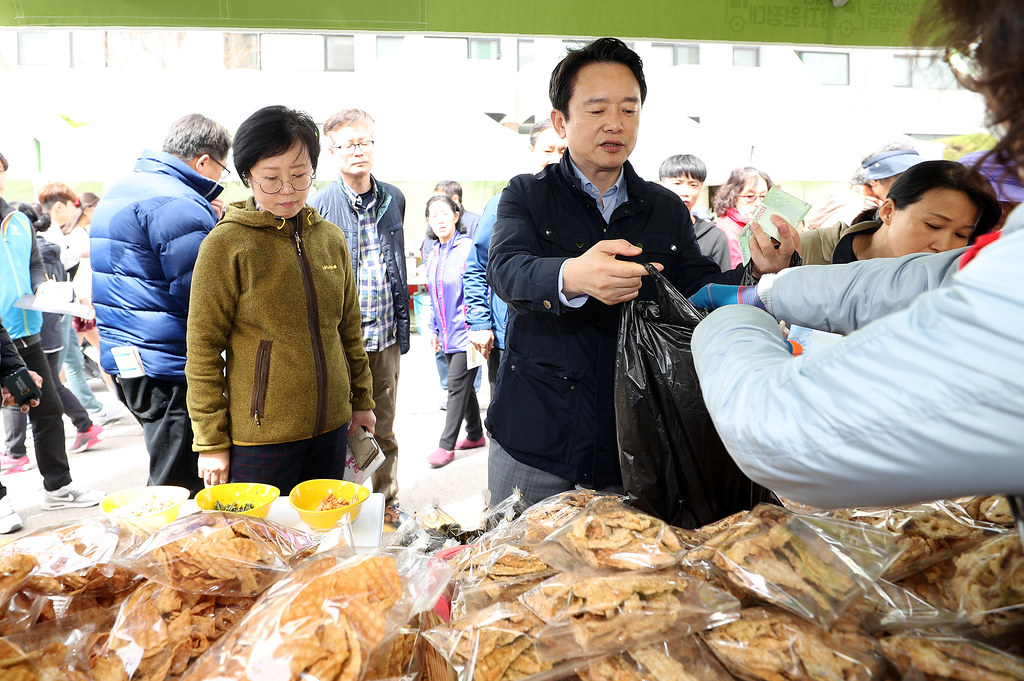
988,585
321,620
77,557
623,610
608,535
220,553
919,656
677,659
888,607
496,575
545,516
503,512
400,658
159,630
770,643
496,644
53,650
992,508
15,570
928,532
812,566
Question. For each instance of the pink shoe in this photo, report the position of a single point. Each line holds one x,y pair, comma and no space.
440,457
15,464
87,440
466,443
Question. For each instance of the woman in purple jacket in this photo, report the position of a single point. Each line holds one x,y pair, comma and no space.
445,266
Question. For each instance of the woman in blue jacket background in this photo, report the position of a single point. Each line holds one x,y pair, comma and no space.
445,266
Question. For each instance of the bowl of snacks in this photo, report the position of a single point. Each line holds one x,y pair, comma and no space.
322,503
247,498
151,507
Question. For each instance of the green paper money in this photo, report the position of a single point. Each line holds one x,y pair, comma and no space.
776,202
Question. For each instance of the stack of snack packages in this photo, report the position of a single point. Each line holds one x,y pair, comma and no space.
212,595
583,586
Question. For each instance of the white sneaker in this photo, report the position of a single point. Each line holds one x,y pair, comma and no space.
69,496
106,414
10,521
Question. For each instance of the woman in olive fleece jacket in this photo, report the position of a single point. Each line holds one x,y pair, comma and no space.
274,291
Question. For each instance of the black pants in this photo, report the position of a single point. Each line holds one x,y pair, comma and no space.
462,402
16,422
160,408
47,424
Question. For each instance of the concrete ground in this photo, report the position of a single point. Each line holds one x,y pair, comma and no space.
120,461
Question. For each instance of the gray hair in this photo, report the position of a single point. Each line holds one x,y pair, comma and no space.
345,118
194,135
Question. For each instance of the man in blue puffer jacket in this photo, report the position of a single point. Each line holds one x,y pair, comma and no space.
145,237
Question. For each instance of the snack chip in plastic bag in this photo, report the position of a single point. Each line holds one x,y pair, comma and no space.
496,575
320,621
220,553
78,557
624,610
608,535
494,644
936,658
677,659
546,516
14,572
160,630
928,533
812,566
989,585
770,643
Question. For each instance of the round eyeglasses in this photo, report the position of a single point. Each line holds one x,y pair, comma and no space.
272,185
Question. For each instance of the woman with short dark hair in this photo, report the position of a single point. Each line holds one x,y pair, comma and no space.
277,375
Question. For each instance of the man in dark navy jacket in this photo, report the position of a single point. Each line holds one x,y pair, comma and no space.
565,253
145,237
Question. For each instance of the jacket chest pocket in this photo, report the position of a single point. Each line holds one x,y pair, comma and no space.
565,241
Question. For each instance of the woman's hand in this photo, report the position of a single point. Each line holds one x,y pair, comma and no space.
362,418
213,467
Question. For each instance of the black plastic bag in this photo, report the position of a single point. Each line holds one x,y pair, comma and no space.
674,465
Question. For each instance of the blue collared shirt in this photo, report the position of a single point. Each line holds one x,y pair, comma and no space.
607,202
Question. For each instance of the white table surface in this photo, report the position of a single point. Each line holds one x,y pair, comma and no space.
366,530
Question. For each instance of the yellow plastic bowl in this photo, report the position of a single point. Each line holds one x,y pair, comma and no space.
239,493
131,504
306,496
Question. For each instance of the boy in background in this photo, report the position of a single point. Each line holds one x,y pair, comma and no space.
684,175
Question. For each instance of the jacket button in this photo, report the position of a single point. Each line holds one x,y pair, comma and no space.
513,367
547,232
547,304
579,244
673,248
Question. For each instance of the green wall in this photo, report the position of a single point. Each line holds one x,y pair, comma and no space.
859,22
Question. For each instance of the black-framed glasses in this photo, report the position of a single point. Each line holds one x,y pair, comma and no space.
225,171
350,148
272,185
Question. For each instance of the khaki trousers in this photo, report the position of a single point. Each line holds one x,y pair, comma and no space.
384,366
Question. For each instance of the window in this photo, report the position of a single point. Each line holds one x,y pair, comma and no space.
340,52
89,49
389,45
33,48
922,71
676,54
527,52
484,48
573,44
447,48
746,56
241,51
830,68
291,52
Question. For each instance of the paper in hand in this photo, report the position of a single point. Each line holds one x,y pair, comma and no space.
776,202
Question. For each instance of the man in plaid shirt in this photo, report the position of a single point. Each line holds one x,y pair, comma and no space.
371,213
